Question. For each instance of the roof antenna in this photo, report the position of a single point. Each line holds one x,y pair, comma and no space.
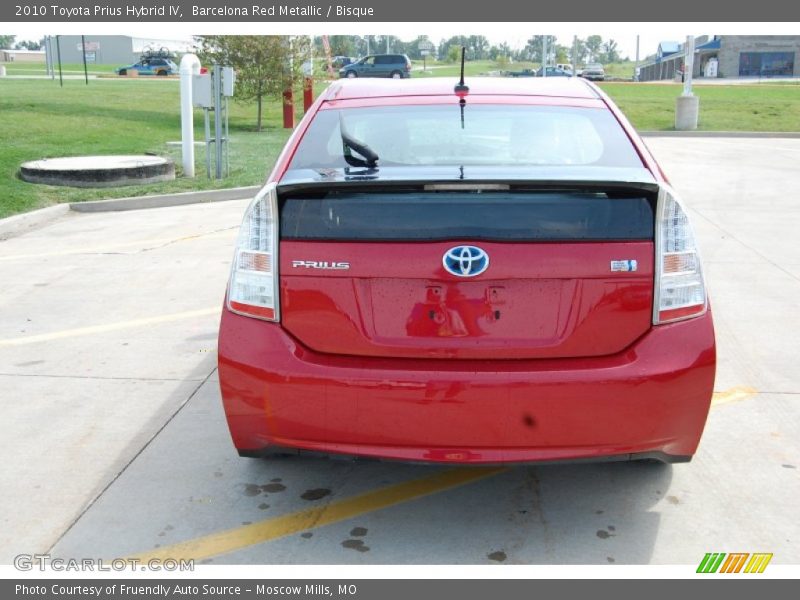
461,89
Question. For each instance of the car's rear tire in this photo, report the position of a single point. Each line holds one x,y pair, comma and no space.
123,72
161,73
396,75
351,75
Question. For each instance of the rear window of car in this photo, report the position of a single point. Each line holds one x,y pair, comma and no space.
388,60
488,135
498,216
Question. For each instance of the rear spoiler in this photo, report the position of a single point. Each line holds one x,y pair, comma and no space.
469,179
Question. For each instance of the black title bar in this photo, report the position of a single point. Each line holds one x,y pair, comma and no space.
263,11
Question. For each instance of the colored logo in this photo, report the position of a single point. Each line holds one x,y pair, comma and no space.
734,562
465,261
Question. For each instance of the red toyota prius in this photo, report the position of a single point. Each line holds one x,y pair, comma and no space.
492,274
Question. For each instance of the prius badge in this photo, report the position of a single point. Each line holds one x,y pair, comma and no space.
320,264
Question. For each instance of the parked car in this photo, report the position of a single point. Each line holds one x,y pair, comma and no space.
553,72
593,72
396,66
497,274
151,65
564,67
521,73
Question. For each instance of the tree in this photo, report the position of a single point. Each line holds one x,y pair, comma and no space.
7,41
593,44
609,53
265,65
28,45
341,45
477,47
453,53
581,51
533,49
502,51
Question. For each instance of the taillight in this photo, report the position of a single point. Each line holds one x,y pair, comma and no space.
680,290
253,288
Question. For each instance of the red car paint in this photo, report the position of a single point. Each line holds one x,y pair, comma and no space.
547,358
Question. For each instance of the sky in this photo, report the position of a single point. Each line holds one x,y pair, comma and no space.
515,34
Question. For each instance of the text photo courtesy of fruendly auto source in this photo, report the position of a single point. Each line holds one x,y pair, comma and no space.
367,299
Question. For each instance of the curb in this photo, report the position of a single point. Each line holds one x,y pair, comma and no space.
164,200
21,224
722,134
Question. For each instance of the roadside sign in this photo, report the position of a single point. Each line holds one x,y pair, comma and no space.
425,48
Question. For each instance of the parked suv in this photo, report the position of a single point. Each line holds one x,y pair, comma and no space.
396,66
496,274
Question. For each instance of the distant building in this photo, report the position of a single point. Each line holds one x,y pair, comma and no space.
22,56
111,49
728,56
666,49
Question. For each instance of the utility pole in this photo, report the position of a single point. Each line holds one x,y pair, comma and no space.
387,45
636,63
544,56
48,56
574,55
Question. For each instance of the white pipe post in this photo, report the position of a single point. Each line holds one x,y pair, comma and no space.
190,65
687,105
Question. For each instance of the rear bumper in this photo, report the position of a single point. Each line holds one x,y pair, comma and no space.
650,401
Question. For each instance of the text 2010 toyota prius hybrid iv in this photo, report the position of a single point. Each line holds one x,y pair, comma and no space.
483,275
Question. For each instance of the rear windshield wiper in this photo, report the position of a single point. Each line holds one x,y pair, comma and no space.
349,143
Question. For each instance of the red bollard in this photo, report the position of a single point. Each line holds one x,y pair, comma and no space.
288,109
308,93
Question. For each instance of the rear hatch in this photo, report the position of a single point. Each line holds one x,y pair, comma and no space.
364,270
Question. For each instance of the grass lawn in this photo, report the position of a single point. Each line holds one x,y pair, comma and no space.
472,68
121,116
41,120
32,68
651,107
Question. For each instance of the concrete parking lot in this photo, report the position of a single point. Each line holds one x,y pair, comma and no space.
114,441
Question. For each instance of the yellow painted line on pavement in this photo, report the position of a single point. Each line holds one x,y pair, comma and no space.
734,394
78,331
231,233
319,516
